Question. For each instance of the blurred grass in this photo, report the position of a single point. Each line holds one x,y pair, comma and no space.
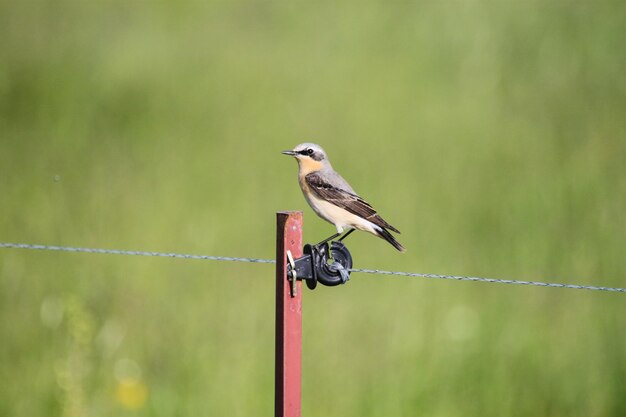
491,133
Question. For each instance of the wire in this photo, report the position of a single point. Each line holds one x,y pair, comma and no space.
271,261
133,253
491,280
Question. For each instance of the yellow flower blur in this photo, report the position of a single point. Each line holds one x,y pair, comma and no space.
131,393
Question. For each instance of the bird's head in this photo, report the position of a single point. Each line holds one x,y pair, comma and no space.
311,157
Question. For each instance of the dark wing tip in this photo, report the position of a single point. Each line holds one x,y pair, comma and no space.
393,229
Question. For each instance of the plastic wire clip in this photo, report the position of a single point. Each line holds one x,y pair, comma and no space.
329,266
292,274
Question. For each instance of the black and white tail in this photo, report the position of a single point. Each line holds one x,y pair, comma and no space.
384,233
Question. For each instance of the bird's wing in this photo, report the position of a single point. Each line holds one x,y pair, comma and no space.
346,200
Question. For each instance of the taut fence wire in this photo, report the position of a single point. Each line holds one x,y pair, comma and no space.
271,261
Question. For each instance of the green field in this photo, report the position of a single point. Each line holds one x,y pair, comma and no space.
492,134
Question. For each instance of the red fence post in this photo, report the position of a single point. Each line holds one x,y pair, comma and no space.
288,318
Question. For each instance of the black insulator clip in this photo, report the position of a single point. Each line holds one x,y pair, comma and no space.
320,264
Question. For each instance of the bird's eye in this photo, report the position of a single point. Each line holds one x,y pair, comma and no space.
309,151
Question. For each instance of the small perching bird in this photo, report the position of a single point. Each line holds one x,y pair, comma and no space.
332,198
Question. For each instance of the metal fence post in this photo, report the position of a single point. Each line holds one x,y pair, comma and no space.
288,364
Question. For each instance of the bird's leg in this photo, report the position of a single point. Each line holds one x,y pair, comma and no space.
327,239
346,235
334,236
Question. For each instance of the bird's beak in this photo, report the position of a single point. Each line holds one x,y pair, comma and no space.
290,153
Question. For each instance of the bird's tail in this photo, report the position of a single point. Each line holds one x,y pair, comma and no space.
384,233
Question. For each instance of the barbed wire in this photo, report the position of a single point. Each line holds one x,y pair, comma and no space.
271,261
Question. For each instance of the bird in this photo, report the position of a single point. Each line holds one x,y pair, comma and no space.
334,200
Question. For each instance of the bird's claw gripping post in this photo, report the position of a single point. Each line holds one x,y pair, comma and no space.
315,266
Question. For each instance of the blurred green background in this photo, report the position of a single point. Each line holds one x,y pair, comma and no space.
493,134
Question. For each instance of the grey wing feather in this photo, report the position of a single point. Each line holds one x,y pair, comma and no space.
345,199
